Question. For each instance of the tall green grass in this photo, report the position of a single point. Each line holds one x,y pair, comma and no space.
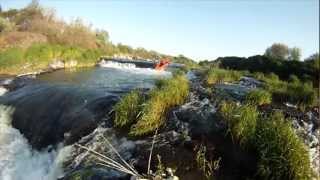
241,120
168,93
282,155
216,75
258,97
295,91
127,110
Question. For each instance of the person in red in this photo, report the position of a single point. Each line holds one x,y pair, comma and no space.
162,64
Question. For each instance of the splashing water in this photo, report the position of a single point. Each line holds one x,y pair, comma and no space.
132,68
18,161
2,90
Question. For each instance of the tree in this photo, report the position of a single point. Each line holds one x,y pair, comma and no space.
278,51
294,54
313,57
102,36
314,61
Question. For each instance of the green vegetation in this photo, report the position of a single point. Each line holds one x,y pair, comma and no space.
282,155
295,91
258,97
241,120
189,63
146,114
206,166
307,70
216,75
167,94
127,110
40,56
33,37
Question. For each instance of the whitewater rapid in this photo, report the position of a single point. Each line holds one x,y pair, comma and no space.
18,161
132,68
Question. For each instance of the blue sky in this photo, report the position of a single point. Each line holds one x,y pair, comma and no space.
198,29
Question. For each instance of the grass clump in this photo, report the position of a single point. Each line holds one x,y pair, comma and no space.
282,155
206,166
295,91
167,94
258,97
127,110
216,75
241,120
301,94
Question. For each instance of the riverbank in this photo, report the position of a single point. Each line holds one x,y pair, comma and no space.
196,136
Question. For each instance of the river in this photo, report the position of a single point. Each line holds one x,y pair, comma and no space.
41,116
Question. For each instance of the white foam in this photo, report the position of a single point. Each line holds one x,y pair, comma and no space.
18,161
132,68
3,90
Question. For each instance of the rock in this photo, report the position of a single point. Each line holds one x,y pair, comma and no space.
19,82
234,92
200,115
250,82
56,65
84,165
71,63
310,136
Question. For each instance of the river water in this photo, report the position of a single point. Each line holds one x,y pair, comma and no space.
63,95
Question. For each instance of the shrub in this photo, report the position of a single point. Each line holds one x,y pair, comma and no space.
167,94
215,75
258,97
241,121
301,94
258,75
295,92
294,79
5,25
282,155
11,57
127,110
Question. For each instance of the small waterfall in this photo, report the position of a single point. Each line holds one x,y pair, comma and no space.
18,161
132,68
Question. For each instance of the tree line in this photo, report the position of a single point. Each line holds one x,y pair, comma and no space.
277,59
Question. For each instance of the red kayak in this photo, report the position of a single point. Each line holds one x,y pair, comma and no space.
163,64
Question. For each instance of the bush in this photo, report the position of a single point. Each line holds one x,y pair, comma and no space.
294,79
11,57
5,25
241,121
282,155
258,97
167,94
301,94
294,92
302,69
215,75
127,110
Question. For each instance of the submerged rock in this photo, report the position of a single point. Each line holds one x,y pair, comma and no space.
49,114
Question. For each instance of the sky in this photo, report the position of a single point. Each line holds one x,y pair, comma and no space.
198,29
